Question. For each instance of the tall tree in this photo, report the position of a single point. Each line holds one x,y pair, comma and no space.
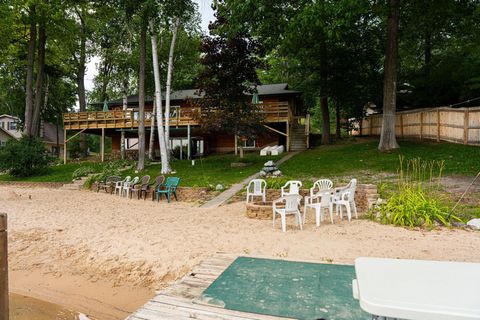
141,92
387,136
30,71
230,62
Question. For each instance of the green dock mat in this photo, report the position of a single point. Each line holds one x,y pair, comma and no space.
286,289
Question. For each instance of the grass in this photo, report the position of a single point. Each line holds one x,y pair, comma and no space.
211,170
55,173
358,158
363,159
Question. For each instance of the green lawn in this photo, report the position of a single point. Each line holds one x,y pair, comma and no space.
360,159
211,170
363,159
55,173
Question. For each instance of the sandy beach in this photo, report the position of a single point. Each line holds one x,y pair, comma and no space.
106,256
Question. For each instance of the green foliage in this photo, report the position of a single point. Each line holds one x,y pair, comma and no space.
82,172
24,157
415,203
414,207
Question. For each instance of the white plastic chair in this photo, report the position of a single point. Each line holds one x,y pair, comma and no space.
345,197
128,185
320,201
119,185
259,187
293,187
291,206
320,185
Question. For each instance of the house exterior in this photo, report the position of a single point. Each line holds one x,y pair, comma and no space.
285,123
51,135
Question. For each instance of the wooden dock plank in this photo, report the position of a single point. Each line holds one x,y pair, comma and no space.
177,301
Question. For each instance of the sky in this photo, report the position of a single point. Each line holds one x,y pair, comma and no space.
204,6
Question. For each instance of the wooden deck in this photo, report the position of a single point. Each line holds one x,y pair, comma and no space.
119,119
177,301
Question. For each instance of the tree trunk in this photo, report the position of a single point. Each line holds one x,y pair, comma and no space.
323,91
169,83
124,108
81,79
42,39
158,101
387,137
29,81
338,129
141,97
151,149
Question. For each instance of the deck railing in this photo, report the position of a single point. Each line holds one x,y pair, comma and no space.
273,112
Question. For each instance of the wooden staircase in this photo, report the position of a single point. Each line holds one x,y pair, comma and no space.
298,139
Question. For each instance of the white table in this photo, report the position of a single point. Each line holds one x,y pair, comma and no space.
418,289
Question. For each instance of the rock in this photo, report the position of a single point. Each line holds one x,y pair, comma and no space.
269,163
458,224
219,187
474,224
263,173
277,173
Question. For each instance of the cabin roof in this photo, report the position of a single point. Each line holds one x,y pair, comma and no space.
179,95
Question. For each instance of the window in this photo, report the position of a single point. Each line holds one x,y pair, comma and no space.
2,143
249,143
1,125
12,126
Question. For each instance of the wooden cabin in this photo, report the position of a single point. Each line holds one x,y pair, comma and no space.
284,120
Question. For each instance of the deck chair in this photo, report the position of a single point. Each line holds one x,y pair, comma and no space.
108,184
291,187
127,186
289,204
345,197
142,185
153,187
119,185
168,188
256,188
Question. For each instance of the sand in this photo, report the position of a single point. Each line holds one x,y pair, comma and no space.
105,256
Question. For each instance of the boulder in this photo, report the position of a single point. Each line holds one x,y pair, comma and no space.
474,224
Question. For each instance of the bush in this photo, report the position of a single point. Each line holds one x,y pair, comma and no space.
82,172
24,157
416,202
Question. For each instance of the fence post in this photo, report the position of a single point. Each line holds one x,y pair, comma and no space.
438,125
3,267
421,125
465,126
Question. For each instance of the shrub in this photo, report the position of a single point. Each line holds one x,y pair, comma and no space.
24,157
82,172
415,202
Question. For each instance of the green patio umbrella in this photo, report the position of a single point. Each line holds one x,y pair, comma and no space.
105,106
255,98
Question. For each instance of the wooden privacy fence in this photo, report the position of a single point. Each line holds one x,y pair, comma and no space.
458,125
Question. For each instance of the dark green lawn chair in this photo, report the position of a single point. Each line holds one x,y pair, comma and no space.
168,188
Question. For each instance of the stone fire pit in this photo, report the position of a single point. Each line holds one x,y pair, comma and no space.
259,210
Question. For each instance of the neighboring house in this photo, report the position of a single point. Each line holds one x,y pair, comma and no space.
285,122
51,135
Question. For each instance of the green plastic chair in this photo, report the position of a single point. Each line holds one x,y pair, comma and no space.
168,188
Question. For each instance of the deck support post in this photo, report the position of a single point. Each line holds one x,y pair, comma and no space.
236,145
65,146
3,267
288,136
102,145
189,141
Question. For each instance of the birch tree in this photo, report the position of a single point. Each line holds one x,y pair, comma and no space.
158,102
